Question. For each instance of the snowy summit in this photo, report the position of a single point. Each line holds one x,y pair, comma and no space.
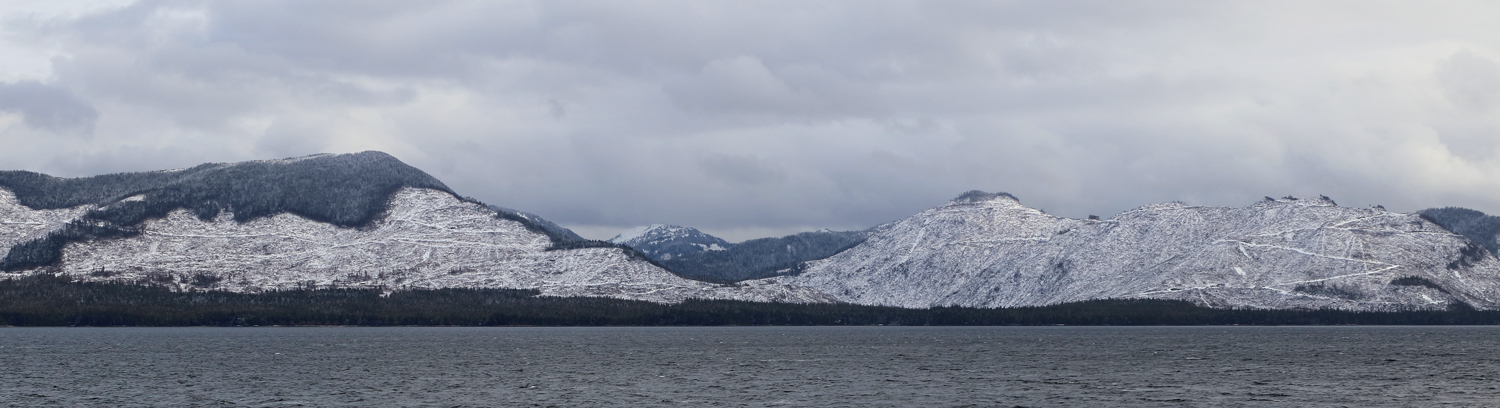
663,242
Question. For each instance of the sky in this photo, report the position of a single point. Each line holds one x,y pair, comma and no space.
750,119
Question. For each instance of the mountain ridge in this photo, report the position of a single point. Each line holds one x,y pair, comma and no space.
1477,226
763,257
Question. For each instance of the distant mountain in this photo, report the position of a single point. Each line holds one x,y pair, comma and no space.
692,254
362,220
989,250
764,257
663,242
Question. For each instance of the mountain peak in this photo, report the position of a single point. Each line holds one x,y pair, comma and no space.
626,236
662,241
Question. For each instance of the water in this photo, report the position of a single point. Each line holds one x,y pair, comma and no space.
752,366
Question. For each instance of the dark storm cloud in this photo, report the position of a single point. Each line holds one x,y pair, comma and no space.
759,118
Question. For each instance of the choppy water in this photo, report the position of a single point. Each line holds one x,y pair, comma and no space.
752,366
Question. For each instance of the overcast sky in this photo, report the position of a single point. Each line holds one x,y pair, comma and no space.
764,118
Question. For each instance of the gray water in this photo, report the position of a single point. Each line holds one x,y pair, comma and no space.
752,366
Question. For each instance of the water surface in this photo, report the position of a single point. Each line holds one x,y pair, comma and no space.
752,366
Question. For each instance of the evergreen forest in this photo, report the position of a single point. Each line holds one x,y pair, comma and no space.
50,300
762,258
1475,225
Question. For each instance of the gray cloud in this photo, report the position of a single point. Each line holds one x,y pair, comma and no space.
47,107
744,85
758,118
1470,81
740,170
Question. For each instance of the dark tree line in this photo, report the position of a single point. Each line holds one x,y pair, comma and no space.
46,300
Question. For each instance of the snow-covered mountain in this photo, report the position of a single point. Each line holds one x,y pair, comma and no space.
663,242
366,220
989,250
189,230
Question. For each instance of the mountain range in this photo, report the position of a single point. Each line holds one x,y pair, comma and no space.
367,220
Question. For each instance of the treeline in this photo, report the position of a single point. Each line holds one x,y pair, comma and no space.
46,300
763,258
349,190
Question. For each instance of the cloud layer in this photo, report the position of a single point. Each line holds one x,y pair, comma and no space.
750,119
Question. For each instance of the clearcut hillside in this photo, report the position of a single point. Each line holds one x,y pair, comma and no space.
989,250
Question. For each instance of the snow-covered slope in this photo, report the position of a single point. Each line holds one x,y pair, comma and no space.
664,242
989,250
21,224
547,226
429,239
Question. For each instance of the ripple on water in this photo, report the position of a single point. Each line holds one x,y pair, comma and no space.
752,366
